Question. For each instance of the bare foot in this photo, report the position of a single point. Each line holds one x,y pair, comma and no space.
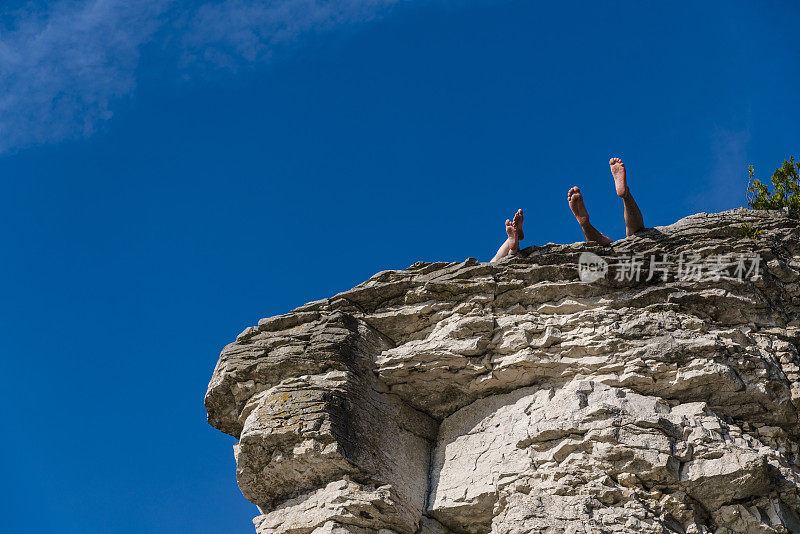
618,170
517,224
575,199
513,238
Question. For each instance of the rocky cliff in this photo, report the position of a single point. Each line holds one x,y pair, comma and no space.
647,387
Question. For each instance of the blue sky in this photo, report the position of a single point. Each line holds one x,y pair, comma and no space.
174,171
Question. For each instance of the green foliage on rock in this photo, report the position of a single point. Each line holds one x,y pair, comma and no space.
785,188
750,232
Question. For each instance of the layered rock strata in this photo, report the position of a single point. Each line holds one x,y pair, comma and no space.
647,387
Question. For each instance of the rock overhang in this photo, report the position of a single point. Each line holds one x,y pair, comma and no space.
362,391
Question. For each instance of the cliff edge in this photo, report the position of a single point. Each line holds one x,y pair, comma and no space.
647,387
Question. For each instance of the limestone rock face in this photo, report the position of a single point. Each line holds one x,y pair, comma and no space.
662,396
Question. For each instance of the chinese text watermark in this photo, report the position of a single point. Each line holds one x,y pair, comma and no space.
664,267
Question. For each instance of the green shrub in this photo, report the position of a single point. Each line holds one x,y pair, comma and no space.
750,232
785,189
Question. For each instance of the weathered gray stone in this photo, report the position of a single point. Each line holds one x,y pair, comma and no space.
512,397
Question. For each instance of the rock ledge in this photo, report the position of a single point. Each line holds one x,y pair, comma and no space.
514,398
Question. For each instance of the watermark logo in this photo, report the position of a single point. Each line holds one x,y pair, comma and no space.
684,268
591,267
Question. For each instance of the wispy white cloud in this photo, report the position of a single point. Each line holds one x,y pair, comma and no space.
61,69
725,186
63,66
227,33
727,181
